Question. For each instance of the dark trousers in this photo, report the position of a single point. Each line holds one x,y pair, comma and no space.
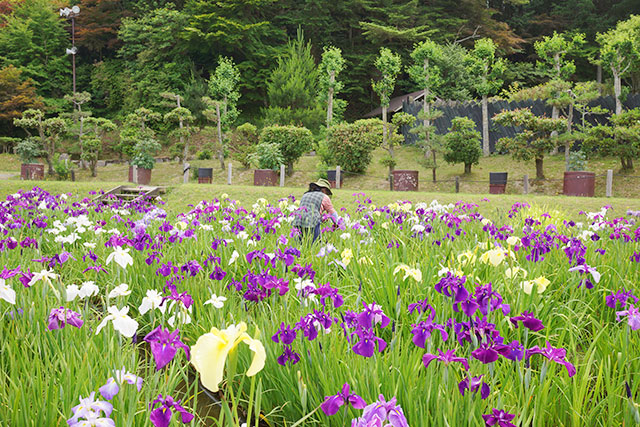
305,232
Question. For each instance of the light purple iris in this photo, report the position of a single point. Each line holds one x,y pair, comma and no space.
473,384
112,387
422,331
528,321
332,404
368,341
633,316
554,354
372,315
447,358
499,418
382,413
165,345
161,416
88,406
59,317
621,297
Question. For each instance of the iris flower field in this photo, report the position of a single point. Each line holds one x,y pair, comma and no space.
410,314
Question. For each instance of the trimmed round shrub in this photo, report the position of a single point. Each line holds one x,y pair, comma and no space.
462,143
352,144
293,142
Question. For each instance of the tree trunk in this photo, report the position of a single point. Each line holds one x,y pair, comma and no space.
555,113
221,147
384,143
49,159
433,169
425,107
627,164
332,79
567,143
93,165
485,126
467,168
617,89
539,169
80,134
599,77
289,168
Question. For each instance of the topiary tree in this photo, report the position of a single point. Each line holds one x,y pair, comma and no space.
462,143
136,127
534,141
293,142
91,141
183,117
328,86
49,132
222,105
243,141
352,144
29,149
143,153
389,65
619,50
487,71
620,138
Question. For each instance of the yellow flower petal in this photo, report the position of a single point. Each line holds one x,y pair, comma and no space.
259,356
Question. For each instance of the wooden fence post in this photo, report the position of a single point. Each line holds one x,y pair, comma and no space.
229,174
525,184
609,182
135,174
338,177
281,175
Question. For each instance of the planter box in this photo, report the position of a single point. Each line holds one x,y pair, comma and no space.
131,173
144,176
265,177
31,171
579,183
205,175
497,182
405,180
331,177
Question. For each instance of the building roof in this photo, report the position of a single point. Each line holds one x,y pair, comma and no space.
395,104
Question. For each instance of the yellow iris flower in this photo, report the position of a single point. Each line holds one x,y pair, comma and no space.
210,353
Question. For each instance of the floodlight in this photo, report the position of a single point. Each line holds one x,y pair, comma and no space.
75,9
72,51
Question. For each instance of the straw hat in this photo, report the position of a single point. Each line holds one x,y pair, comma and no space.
323,183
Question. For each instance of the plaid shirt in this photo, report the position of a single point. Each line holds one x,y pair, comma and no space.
308,214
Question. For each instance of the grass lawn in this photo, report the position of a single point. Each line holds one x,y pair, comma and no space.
170,173
179,196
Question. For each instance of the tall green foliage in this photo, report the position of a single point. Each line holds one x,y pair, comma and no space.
292,87
33,39
463,143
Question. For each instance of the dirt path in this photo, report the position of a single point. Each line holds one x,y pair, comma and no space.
8,175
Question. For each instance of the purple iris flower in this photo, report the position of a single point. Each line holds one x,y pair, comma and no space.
326,291
25,277
473,384
382,413
288,355
621,297
59,317
447,358
635,257
554,354
453,286
422,331
332,404
285,335
165,345
367,344
9,273
513,351
528,321
499,418
217,274
486,353
633,316
372,315
192,267
422,306
161,416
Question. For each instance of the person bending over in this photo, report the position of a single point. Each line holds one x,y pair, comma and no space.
312,204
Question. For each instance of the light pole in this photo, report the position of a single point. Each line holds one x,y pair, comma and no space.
72,13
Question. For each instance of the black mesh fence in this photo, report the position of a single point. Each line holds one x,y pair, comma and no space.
473,110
